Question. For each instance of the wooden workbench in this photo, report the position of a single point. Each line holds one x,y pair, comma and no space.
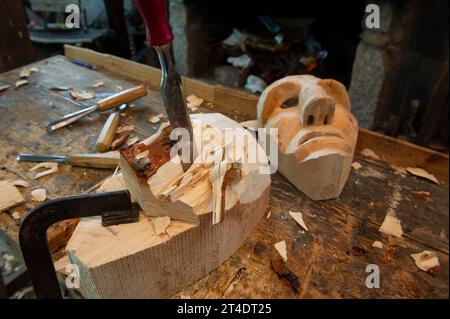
327,259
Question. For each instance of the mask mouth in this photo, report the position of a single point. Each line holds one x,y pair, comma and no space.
314,134
320,146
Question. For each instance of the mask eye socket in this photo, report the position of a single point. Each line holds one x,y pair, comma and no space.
310,120
291,102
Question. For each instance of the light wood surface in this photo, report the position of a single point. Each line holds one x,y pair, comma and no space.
108,132
132,261
322,257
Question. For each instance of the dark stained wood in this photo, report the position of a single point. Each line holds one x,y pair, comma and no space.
15,45
323,258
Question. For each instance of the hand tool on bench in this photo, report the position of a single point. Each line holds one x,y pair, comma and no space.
159,38
107,103
114,207
105,160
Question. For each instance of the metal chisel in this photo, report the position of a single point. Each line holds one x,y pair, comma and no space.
105,160
107,103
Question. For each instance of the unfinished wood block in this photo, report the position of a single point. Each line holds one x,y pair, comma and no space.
106,136
316,136
132,260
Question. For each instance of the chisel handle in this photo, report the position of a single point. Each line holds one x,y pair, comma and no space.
154,14
121,98
108,132
106,160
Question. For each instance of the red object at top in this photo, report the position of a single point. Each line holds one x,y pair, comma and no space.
154,14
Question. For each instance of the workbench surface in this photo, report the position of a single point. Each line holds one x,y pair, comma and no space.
329,259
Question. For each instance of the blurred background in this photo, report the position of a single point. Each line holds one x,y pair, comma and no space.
397,75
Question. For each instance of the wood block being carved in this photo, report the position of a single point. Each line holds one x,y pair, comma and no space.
212,206
316,134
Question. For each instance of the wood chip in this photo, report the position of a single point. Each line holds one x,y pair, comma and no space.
426,260
98,84
160,225
154,119
120,139
419,172
21,183
391,226
378,244
127,128
26,72
356,166
4,87
52,168
193,102
298,217
16,215
81,96
268,214
287,277
143,154
422,195
39,195
280,247
9,195
60,88
132,141
21,83
369,153
250,124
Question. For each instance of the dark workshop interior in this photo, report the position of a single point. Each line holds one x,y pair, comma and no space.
90,91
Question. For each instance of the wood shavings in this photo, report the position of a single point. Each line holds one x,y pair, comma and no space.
288,278
119,88
268,214
9,195
160,225
280,247
419,172
369,153
154,119
83,95
132,141
20,83
39,195
391,226
399,170
127,128
16,215
120,139
60,88
193,102
26,72
378,244
425,196
98,84
426,260
4,87
21,183
298,217
144,154
356,166
253,124
52,168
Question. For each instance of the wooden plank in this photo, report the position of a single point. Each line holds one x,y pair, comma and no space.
243,105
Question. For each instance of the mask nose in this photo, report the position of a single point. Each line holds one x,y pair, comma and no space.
316,107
